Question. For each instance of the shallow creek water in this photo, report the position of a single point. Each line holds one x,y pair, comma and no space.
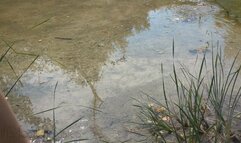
102,54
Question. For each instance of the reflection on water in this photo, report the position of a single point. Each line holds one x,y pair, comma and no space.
101,53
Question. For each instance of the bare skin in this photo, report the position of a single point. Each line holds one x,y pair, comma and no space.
10,131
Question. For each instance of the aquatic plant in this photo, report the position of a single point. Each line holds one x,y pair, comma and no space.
205,109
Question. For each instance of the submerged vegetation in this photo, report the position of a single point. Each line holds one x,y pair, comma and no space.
206,105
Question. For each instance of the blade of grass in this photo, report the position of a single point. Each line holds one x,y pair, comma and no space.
21,76
76,140
54,120
44,111
10,65
68,126
46,20
9,48
173,48
47,110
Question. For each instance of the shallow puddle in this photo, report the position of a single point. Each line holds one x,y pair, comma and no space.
101,54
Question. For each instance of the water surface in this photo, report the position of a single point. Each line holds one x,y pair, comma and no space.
102,54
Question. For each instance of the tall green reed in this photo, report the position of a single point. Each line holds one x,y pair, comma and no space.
205,106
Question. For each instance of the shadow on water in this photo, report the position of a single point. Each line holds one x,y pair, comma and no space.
101,53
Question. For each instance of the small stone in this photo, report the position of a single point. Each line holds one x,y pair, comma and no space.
82,127
238,116
40,133
84,120
49,139
161,132
40,40
176,19
100,45
149,121
166,118
150,105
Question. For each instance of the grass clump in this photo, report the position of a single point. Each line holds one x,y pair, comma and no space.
205,109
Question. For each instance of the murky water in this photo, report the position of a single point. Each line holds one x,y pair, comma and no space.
102,54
